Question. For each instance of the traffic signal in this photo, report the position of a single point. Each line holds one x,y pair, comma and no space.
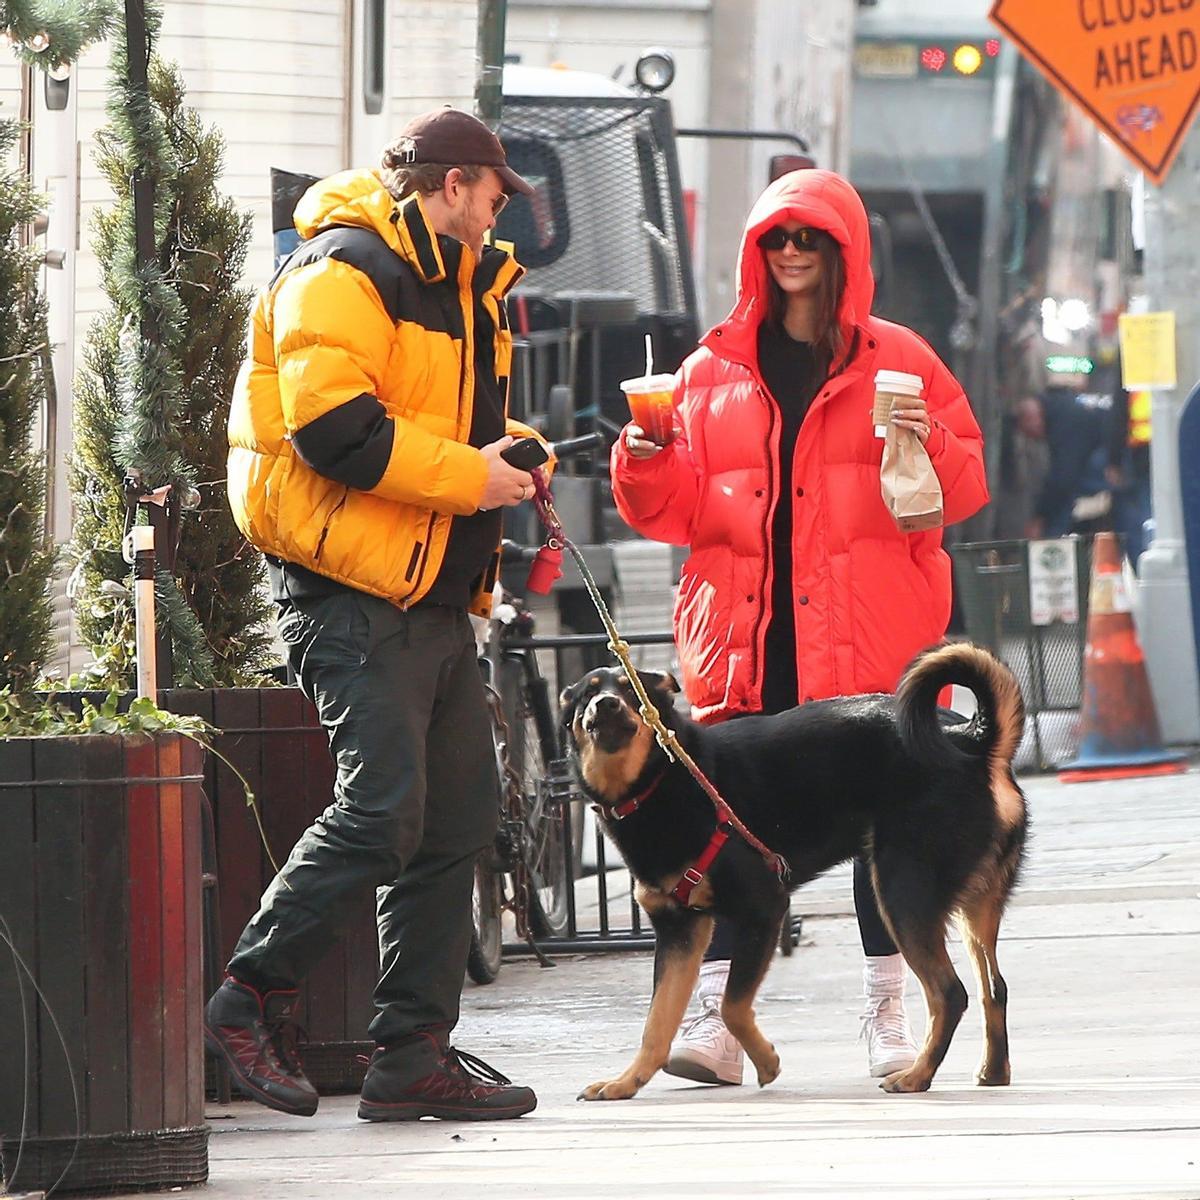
958,58
913,58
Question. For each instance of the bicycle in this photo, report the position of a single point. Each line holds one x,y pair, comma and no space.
525,870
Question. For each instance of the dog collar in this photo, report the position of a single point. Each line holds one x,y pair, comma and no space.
631,806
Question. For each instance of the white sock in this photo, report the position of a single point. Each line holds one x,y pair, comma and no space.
713,977
884,975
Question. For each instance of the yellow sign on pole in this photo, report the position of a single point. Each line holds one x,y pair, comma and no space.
1147,350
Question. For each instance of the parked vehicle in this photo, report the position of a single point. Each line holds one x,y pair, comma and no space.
604,239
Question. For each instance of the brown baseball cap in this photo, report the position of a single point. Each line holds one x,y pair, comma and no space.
449,135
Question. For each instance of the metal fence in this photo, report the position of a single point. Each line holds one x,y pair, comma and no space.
605,216
993,580
602,910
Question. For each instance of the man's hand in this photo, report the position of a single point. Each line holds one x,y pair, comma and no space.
638,444
506,485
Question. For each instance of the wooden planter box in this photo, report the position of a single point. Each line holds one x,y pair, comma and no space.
273,737
101,892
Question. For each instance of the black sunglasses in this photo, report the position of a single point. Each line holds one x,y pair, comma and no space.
804,238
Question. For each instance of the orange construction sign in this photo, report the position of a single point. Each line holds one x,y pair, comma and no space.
1134,65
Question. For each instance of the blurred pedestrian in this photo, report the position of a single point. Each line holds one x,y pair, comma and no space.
1128,469
1024,468
366,438
799,585
1075,497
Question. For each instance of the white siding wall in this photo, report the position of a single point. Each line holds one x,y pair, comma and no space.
785,68
276,77
802,71
270,76
430,61
273,77
10,87
433,56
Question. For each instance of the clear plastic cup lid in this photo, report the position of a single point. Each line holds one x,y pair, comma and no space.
649,383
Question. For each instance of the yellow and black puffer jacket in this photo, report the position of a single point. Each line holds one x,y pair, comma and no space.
363,341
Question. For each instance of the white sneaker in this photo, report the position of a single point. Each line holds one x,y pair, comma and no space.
890,1045
705,1050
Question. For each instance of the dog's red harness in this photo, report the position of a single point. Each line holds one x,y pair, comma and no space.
692,876
727,819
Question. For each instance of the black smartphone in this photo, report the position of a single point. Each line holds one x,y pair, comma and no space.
525,454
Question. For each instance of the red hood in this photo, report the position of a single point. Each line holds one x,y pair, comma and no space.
826,201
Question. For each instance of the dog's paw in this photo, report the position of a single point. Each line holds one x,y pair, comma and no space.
908,1081
611,1089
768,1071
993,1077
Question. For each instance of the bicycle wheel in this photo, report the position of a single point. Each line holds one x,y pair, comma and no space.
483,959
532,742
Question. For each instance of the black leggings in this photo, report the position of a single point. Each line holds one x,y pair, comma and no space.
876,940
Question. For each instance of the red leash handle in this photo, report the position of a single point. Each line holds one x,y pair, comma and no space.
547,563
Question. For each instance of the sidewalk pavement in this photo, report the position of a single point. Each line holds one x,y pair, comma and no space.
1101,950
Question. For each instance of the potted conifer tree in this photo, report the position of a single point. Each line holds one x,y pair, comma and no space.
153,399
99,863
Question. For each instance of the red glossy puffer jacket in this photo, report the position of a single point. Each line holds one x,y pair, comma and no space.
867,597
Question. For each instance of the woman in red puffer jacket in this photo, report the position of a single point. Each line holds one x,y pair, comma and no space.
799,584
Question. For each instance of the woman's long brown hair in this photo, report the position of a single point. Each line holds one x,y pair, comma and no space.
828,340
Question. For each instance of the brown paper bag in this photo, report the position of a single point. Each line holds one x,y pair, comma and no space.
909,485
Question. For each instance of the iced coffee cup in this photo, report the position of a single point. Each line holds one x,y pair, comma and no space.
649,398
892,388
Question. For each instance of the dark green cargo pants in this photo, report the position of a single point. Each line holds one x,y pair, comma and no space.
415,800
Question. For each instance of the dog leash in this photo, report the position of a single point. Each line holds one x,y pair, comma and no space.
556,542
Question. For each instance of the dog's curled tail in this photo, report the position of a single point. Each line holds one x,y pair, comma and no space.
997,726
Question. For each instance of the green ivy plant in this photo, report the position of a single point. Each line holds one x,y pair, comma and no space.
26,715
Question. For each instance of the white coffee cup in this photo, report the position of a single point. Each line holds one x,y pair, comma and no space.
891,386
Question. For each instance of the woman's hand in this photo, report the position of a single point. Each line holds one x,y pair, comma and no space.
913,415
637,443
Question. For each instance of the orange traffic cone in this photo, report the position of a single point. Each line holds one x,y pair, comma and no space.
1120,733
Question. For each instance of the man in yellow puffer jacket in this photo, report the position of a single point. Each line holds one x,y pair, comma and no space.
365,460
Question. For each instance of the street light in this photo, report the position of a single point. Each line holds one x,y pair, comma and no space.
655,69
57,87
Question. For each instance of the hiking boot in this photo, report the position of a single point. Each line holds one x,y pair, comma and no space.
890,1044
424,1077
246,1029
704,1050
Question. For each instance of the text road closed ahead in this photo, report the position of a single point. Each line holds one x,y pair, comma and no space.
1134,65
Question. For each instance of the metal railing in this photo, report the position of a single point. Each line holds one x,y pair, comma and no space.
602,908
993,580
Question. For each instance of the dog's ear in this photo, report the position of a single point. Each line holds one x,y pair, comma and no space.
568,698
660,681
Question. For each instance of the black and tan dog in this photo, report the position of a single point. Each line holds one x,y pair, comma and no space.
935,809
